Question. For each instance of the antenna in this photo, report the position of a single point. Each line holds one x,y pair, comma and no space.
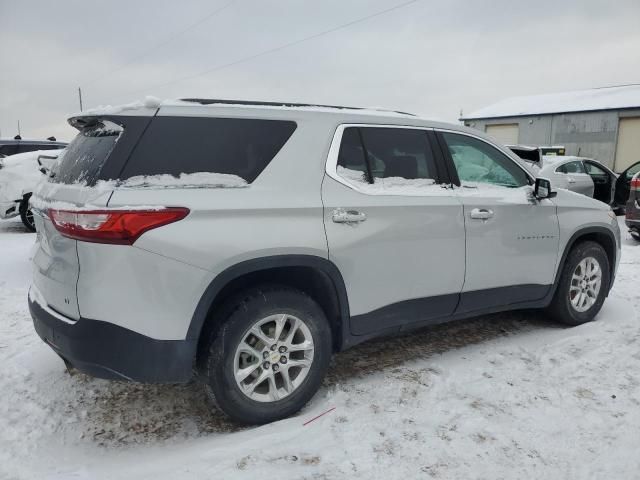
80,97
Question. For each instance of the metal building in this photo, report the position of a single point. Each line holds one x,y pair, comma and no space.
600,123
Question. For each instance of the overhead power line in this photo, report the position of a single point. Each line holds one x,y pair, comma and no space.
164,42
280,47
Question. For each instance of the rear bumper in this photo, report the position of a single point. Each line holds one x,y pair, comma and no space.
105,350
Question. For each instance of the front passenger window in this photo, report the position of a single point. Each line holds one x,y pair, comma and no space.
478,162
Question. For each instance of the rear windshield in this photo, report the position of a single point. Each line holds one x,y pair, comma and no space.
236,146
85,156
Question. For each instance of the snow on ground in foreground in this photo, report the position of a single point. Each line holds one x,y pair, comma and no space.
502,396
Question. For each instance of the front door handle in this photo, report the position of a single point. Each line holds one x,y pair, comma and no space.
481,213
341,215
571,180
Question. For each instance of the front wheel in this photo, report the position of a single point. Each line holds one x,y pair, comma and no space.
270,356
26,215
583,285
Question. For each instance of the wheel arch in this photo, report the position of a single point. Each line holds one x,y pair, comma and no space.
601,235
316,276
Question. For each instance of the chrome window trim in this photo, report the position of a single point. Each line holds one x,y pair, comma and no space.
331,168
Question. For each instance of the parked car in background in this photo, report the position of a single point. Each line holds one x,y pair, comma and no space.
632,216
18,145
589,177
244,243
19,174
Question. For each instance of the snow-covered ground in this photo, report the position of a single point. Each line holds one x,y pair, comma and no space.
502,396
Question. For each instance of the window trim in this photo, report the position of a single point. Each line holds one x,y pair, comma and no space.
447,154
331,166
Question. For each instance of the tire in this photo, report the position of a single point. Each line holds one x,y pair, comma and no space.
26,215
567,307
635,234
272,398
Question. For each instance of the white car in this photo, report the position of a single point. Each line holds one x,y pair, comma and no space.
588,177
19,175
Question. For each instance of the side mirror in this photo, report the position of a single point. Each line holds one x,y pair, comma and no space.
543,189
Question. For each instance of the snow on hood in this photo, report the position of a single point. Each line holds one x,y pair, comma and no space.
21,173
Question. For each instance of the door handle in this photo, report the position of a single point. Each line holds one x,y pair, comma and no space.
481,213
570,180
341,215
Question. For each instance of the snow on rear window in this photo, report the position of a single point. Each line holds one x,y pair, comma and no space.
85,156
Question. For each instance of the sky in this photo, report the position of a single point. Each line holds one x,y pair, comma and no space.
433,58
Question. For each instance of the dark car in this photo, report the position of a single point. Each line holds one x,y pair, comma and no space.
633,208
18,145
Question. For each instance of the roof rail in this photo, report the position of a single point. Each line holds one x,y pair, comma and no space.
210,101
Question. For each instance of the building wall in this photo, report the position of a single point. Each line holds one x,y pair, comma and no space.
586,134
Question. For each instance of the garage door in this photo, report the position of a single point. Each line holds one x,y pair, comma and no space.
628,149
506,133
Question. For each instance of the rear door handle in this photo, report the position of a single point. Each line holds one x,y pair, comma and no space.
570,180
341,215
481,213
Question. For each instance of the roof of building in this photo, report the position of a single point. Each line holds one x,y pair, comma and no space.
604,98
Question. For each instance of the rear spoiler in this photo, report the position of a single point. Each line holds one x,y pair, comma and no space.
528,154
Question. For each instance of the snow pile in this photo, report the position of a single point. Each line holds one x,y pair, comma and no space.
625,96
185,180
390,185
147,102
21,173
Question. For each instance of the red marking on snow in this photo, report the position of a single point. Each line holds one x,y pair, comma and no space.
317,417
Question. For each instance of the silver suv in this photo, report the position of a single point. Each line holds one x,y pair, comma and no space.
244,243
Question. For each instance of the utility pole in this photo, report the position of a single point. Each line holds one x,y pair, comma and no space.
80,97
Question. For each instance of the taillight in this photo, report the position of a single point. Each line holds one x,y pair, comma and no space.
122,227
635,184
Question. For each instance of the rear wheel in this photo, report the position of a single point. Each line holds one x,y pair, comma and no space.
26,215
270,356
583,285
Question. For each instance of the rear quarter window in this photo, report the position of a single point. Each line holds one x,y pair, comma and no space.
235,146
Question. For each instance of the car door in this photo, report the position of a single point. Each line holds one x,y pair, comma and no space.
395,233
512,238
603,181
622,185
575,178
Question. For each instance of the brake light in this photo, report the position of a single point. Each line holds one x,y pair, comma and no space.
122,227
635,184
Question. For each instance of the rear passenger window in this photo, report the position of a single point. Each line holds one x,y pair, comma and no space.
387,159
571,167
235,146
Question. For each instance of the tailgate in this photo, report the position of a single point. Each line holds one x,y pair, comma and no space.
55,261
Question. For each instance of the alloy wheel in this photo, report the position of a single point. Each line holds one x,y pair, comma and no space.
273,358
585,284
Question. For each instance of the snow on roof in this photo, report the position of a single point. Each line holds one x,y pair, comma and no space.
150,102
604,98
